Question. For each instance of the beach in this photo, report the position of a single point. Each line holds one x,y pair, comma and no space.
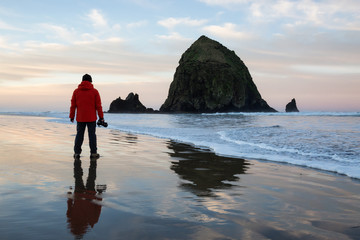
144,187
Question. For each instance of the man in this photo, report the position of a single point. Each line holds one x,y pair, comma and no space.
86,100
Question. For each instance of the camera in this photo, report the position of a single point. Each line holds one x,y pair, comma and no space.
101,122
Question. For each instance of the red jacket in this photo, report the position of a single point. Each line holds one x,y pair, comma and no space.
86,99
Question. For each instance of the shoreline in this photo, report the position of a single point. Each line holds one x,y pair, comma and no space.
318,158
158,188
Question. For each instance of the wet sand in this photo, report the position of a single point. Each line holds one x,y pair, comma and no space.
147,188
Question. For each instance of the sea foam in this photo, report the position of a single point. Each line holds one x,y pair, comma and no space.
322,140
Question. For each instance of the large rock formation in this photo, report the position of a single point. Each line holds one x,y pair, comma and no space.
291,106
211,78
131,104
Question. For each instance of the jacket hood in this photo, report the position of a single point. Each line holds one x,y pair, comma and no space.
85,85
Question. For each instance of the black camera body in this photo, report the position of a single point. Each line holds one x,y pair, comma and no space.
101,122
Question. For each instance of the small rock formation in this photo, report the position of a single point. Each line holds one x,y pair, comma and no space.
291,106
211,78
131,104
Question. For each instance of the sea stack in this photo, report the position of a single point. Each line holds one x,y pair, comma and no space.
211,78
291,106
131,104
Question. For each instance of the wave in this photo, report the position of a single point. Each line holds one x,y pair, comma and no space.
35,114
304,142
263,146
317,114
331,114
225,146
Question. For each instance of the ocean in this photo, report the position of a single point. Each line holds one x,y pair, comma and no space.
328,141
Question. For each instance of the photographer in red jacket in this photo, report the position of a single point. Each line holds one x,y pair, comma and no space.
86,101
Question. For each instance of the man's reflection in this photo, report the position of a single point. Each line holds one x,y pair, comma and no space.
203,170
83,204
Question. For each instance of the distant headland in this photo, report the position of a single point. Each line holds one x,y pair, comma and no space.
210,78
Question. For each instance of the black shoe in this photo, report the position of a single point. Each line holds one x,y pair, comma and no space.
77,155
94,155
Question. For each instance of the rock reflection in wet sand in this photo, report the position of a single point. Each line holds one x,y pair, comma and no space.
204,171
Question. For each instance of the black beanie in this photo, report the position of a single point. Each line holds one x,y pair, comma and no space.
87,77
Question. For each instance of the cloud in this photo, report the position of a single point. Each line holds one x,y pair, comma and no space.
64,49
288,45
228,30
107,56
173,22
331,14
137,24
328,69
174,36
328,14
6,26
59,32
173,43
97,19
101,24
71,35
148,4
8,46
56,96
224,3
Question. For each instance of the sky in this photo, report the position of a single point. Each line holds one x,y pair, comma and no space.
306,49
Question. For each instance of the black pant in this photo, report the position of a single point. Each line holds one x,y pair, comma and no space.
91,126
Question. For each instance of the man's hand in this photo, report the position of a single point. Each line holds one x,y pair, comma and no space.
72,120
101,122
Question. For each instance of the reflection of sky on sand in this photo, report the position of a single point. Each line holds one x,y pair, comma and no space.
25,150
118,138
147,187
155,186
